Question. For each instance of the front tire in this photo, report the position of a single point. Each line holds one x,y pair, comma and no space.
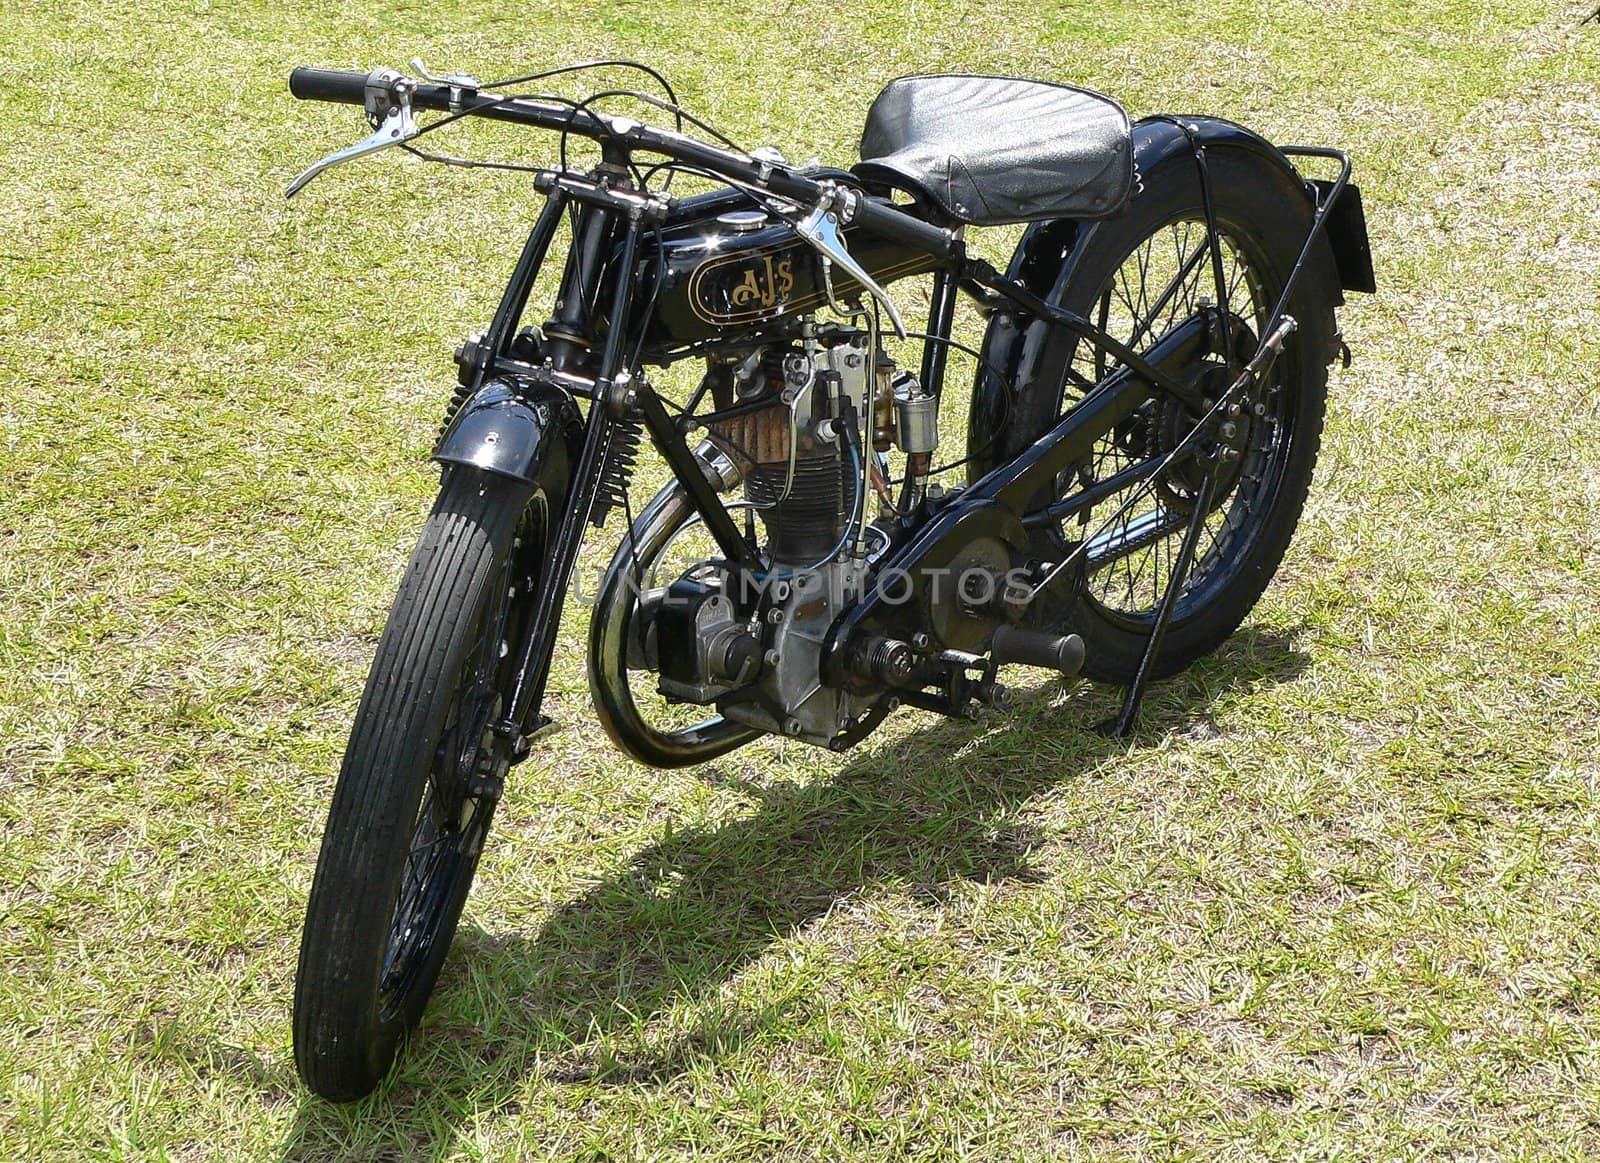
418,786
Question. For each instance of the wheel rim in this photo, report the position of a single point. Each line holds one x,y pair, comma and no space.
1130,555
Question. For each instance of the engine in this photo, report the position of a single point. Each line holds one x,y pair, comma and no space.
810,419
794,454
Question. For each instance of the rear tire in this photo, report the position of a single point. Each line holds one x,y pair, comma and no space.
406,825
1264,218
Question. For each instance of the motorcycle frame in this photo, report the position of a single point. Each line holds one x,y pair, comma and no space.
610,216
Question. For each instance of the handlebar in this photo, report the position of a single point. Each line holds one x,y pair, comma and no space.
876,217
887,222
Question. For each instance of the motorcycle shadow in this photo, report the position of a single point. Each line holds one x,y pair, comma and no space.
588,998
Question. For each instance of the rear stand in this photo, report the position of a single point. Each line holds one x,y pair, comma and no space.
1121,725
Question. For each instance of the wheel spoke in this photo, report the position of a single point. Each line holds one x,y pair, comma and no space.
1182,281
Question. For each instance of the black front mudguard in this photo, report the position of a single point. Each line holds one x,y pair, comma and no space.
1046,260
528,433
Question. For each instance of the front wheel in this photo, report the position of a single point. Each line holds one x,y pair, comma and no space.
418,785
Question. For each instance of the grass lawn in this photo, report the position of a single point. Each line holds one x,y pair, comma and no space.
1339,898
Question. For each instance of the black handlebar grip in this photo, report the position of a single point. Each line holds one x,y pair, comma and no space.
328,85
889,223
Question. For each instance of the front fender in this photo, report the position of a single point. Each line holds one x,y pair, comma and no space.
527,433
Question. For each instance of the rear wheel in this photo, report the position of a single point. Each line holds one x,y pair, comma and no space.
1137,276
418,785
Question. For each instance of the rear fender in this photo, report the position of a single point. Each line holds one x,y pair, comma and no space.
1046,260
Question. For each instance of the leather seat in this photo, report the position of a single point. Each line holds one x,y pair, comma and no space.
996,150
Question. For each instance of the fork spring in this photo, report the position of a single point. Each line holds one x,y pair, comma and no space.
616,473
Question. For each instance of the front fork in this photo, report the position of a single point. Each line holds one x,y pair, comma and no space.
523,421
525,717
598,283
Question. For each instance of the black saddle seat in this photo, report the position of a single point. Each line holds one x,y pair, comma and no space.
996,150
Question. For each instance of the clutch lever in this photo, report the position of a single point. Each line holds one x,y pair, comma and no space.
821,229
397,127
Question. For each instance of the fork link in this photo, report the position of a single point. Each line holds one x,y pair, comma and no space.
504,746
494,760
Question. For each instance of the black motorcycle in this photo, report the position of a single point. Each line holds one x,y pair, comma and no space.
1140,439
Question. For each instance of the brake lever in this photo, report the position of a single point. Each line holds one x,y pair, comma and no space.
821,229
396,128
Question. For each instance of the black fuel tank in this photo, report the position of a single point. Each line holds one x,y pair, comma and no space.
726,267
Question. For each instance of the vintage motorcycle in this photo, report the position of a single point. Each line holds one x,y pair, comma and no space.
1140,438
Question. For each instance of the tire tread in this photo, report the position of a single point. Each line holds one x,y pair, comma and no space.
343,1047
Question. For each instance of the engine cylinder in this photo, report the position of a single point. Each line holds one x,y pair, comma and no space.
805,521
806,524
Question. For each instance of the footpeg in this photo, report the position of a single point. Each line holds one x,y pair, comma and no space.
1058,652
